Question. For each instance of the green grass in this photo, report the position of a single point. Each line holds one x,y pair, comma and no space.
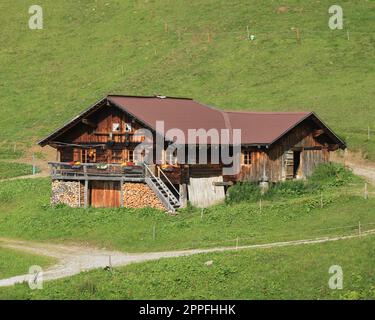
90,48
13,262
10,170
25,213
333,206
325,178
281,273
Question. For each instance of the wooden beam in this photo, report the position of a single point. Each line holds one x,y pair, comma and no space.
333,147
85,197
89,123
95,178
318,133
220,184
313,148
183,195
121,194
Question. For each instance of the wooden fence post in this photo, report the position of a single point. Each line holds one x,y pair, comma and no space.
368,132
34,168
366,192
121,194
321,199
85,192
298,35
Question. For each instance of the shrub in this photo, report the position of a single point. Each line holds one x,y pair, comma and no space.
287,188
331,175
246,191
325,175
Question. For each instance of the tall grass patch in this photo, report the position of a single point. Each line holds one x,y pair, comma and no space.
325,176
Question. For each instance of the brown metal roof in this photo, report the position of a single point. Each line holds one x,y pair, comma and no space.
264,128
177,113
257,128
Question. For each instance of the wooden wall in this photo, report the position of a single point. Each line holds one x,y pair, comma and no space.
269,164
266,164
102,133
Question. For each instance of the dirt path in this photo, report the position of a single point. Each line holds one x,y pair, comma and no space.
75,259
358,164
49,154
366,171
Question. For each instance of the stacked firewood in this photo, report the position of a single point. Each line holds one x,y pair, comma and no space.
139,195
67,192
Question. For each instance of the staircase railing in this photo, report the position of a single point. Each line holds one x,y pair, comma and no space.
168,199
169,181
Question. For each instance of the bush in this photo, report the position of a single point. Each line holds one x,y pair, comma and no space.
325,175
246,191
331,175
287,188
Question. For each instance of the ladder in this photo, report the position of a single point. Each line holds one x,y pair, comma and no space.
165,195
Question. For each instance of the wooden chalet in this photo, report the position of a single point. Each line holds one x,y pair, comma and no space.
96,165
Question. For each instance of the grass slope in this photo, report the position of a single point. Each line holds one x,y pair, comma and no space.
10,170
90,48
13,263
289,212
281,273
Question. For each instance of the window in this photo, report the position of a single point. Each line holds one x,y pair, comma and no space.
115,127
171,157
91,156
128,127
129,155
116,156
247,157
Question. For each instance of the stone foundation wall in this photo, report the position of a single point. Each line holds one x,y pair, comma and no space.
67,192
139,195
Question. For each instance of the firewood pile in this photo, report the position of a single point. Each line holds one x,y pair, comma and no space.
67,192
139,195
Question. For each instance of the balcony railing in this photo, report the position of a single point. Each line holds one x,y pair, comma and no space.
96,171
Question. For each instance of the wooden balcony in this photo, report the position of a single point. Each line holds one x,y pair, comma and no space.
96,171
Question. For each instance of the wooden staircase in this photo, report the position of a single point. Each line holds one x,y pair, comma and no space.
166,196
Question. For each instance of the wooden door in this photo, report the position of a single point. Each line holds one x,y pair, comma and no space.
289,165
105,194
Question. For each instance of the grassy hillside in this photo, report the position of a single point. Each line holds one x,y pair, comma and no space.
249,274
198,49
10,170
287,213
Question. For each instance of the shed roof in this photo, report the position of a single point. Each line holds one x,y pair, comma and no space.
264,128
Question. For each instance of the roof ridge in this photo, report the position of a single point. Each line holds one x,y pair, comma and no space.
149,97
268,112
